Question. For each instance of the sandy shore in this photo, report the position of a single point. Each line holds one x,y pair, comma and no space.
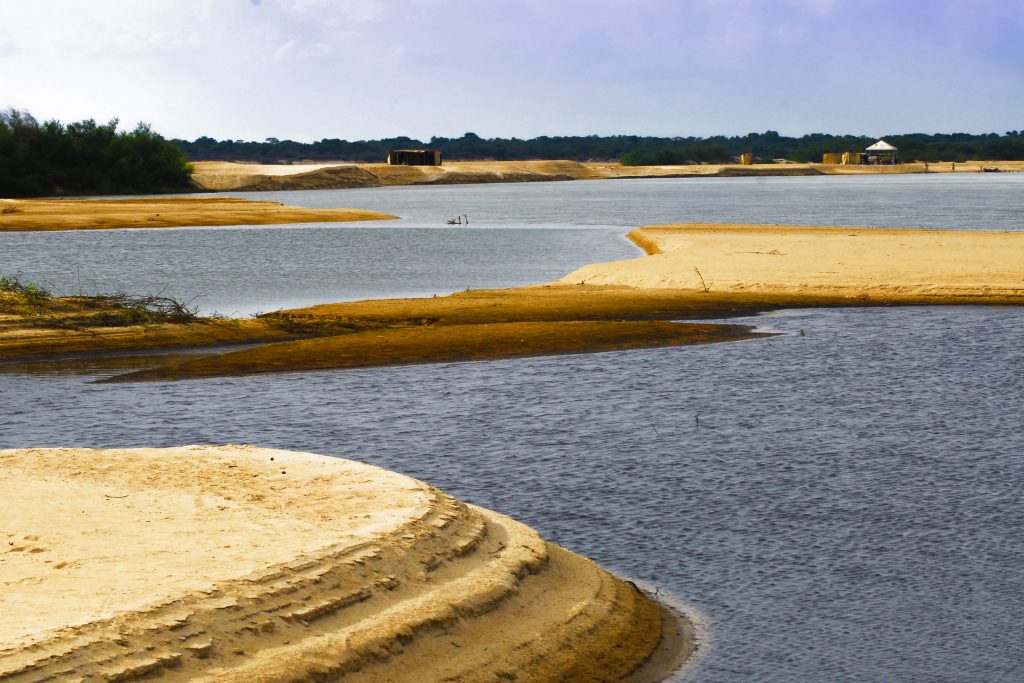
245,564
168,212
886,265
224,176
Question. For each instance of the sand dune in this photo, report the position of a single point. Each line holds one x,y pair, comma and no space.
884,265
247,564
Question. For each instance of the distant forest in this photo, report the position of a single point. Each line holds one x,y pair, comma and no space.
629,149
84,158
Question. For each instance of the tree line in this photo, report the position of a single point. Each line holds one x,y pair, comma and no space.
86,158
628,149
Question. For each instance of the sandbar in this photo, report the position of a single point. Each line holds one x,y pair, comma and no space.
884,265
692,272
444,344
18,215
237,563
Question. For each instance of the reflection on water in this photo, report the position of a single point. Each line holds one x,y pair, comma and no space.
843,505
109,363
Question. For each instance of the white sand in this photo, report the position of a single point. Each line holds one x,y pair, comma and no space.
246,564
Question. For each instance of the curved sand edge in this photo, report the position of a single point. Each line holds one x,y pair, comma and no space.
889,265
242,563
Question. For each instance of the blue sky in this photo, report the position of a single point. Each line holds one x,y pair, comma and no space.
359,69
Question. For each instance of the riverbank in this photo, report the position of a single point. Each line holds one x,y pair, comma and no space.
162,212
222,176
241,563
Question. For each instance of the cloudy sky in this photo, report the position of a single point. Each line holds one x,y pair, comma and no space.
361,69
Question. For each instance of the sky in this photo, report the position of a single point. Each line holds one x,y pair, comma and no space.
366,69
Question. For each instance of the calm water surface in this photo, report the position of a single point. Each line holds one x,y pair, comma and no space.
519,234
842,505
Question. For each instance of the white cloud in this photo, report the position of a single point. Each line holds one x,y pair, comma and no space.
336,13
316,68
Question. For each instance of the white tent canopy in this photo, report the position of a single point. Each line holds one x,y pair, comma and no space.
881,146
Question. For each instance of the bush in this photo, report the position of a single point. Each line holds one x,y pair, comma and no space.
86,158
31,293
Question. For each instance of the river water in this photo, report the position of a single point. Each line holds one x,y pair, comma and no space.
841,502
518,234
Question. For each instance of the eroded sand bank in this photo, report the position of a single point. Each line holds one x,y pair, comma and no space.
162,212
885,265
223,175
245,564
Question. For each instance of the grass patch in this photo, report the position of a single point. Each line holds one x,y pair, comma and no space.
38,307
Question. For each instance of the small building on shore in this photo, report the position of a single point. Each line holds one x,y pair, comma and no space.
880,153
843,158
414,157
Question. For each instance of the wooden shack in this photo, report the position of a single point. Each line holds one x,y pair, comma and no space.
414,157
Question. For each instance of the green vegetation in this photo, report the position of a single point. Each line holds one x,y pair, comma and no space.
97,310
28,292
630,149
86,158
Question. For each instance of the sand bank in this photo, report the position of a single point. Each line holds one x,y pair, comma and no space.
444,344
245,564
692,272
225,176
601,307
885,265
21,342
169,212
36,326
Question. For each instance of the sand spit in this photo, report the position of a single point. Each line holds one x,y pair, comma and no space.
693,272
444,344
237,563
225,176
18,340
169,212
884,265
